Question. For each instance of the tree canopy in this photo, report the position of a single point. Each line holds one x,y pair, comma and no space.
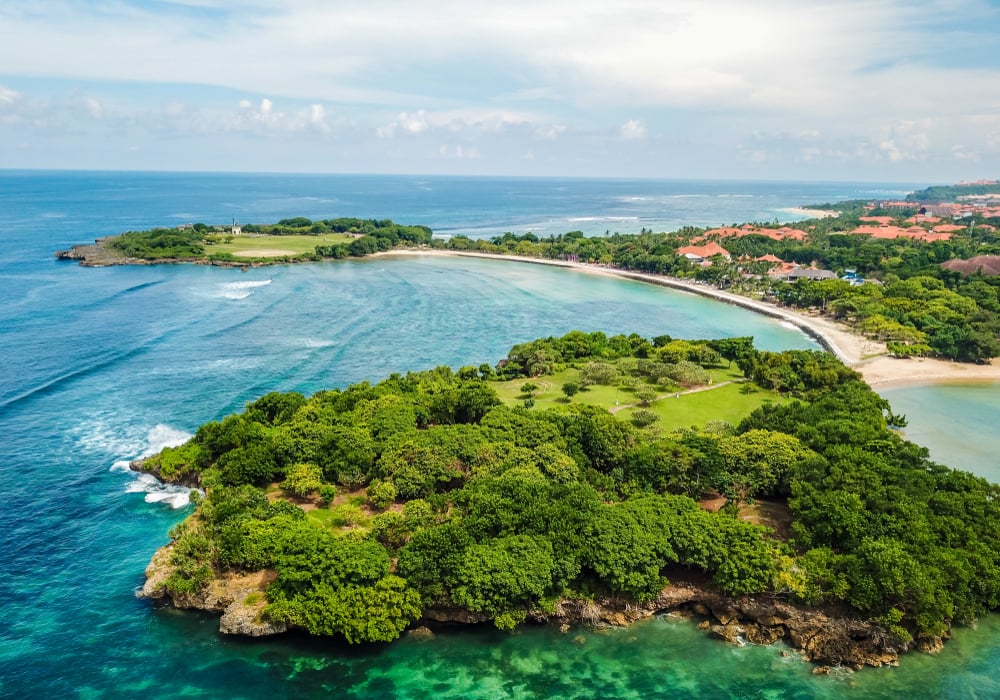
442,496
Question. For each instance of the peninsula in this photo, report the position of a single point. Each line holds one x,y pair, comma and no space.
586,479
290,240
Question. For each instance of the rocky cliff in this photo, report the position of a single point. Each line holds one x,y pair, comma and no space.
823,636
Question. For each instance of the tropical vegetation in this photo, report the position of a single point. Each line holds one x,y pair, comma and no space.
372,503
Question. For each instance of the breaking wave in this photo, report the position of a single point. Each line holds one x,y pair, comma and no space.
158,438
240,290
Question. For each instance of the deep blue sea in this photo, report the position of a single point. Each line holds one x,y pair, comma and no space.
98,366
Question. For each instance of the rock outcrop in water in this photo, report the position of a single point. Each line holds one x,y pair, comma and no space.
239,597
823,636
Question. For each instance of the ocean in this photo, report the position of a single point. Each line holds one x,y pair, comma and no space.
103,365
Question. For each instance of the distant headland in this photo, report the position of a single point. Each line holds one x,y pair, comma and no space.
288,241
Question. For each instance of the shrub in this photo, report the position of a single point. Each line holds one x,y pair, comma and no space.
643,418
347,515
327,492
302,479
382,493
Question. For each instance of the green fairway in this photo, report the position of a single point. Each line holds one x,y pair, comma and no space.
729,398
252,246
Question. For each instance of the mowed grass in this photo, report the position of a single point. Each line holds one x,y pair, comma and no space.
719,401
293,244
731,403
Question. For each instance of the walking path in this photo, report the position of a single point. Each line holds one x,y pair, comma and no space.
675,394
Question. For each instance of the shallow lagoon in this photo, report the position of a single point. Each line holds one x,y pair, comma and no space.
958,423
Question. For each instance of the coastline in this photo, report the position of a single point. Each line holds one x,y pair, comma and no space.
812,213
821,636
867,357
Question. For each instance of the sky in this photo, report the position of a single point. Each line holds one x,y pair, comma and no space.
872,90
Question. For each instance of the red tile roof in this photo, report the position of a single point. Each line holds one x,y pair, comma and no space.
704,251
892,232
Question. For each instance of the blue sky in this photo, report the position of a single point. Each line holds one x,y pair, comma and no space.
783,89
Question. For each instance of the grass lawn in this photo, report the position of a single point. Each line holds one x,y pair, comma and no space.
349,511
728,402
292,245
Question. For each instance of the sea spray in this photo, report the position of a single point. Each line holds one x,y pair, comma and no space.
240,290
159,437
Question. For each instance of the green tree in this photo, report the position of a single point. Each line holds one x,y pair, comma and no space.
504,577
303,479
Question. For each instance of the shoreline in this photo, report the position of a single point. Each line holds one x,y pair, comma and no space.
812,213
867,357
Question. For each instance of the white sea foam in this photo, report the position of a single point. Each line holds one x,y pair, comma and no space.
173,496
240,290
158,492
320,342
157,438
104,434
141,483
161,436
793,327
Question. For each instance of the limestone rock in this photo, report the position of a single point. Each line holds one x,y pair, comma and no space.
244,619
422,633
931,645
731,633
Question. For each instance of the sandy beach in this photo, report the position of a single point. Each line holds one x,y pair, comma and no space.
812,213
866,356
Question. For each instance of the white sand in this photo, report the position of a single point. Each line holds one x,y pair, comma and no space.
865,356
812,213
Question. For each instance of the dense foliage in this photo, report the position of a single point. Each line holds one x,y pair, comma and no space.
160,243
423,490
949,193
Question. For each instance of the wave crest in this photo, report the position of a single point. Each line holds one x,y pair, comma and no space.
158,437
240,290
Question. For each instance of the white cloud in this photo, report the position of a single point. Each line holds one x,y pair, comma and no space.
550,132
851,81
458,152
633,130
471,120
961,153
8,96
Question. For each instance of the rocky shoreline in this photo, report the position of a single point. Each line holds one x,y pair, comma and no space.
97,254
824,637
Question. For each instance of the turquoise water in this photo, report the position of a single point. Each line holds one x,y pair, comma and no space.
103,365
958,423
